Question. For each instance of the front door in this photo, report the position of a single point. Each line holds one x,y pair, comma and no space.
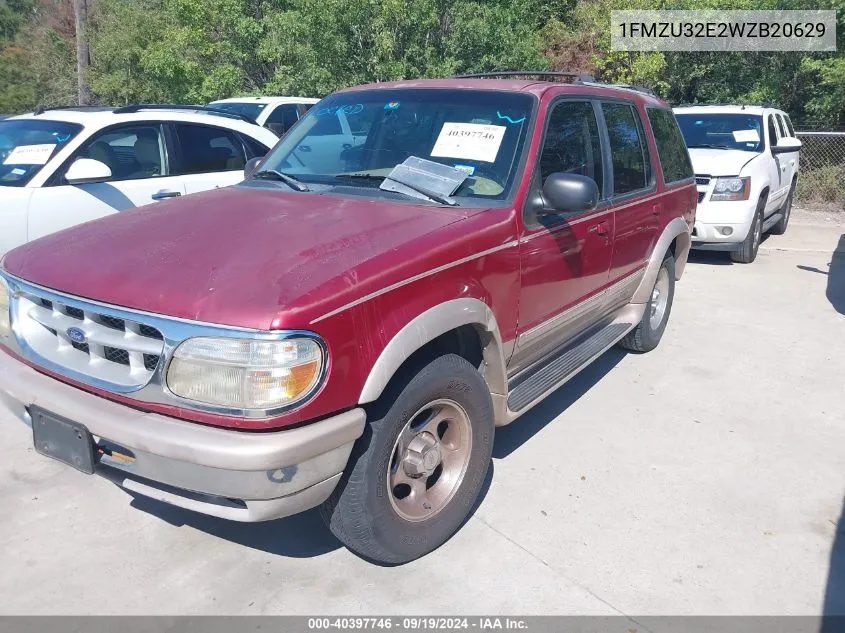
565,259
777,169
137,156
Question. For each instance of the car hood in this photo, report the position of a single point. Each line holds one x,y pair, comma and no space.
239,256
719,162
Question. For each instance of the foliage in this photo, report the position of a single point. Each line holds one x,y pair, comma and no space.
194,51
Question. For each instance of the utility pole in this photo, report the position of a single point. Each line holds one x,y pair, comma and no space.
80,14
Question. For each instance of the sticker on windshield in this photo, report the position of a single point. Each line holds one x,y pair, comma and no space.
30,154
470,141
469,169
746,136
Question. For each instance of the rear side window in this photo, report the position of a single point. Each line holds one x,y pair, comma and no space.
631,170
206,149
781,126
572,142
671,149
789,125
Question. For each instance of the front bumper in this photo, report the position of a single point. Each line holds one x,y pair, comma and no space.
710,217
243,476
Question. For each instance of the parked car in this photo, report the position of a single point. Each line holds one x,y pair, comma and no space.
61,167
746,167
275,113
350,331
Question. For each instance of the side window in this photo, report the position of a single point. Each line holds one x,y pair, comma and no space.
206,149
781,126
282,118
671,149
773,135
253,147
789,125
629,156
131,152
572,142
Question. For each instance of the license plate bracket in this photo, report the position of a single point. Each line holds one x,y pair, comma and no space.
62,439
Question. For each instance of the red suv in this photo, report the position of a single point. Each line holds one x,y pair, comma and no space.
414,264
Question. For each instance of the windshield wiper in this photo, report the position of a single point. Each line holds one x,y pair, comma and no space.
372,177
427,194
710,146
290,181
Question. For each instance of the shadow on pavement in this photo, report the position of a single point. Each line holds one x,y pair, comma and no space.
835,277
834,599
711,258
511,437
299,536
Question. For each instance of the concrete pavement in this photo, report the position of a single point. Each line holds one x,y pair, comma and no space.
706,477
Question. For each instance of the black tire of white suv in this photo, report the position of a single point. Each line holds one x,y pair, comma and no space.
786,210
747,253
431,434
649,330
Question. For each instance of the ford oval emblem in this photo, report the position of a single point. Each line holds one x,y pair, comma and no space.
76,335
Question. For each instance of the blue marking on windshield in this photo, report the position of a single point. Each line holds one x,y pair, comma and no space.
508,119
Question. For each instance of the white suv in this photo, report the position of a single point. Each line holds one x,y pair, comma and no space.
745,160
277,114
61,167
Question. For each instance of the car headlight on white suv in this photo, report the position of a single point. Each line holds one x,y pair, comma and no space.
731,189
246,374
5,317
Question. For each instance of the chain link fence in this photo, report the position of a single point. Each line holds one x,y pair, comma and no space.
822,164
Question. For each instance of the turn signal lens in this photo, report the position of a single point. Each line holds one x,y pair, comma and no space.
246,373
5,319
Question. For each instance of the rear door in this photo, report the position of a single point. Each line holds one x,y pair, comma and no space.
208,156
138,157
565,259
636,209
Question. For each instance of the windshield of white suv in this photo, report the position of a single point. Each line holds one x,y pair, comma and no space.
355,139
27,144
251,110
723,131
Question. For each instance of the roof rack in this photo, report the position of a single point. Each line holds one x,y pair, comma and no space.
41,109
576,77
763,104
175,106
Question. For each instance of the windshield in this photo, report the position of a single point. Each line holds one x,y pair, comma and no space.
27,144
729,131
355,139
251,110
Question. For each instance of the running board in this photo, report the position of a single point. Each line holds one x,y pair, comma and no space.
771,221
531,386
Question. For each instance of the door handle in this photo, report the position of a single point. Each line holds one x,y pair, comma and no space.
164,194
602,228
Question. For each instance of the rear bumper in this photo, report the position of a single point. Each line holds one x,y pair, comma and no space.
243,476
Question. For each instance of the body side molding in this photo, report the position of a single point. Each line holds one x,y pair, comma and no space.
677,228
428,326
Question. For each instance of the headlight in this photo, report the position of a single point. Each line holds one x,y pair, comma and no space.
5,320
246,373
731,189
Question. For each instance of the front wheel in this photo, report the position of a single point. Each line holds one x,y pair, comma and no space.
649,330
747,252
417,471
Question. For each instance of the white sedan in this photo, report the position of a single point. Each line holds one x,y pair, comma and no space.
61,167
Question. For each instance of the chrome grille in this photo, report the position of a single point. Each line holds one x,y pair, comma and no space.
114,350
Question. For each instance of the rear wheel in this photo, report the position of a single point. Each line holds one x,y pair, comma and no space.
649,331
780,227
416,473
748,251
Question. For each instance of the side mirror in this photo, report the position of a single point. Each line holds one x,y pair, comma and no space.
87,170
787,144
569,193
251,166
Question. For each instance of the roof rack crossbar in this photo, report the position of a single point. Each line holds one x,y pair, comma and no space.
127,109
577,77
634,87
41,109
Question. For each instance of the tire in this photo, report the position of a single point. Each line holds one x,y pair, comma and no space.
649,330
780,227
367,511
751,244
